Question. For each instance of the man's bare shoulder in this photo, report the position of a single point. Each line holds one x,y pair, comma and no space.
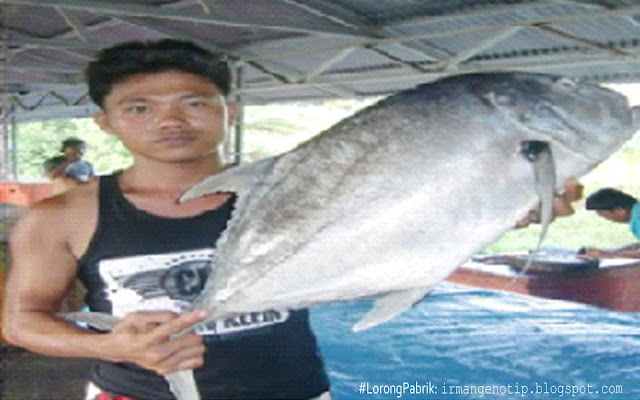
59,215
72,201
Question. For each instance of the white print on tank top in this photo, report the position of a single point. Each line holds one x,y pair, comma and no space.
169,282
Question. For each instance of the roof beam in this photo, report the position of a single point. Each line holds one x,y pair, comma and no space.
579,41
345,16
46,113
275,69
589,12
479,46
75,24
543,64
43,69
204,6
531,22
128,9
421,48
47,77
23,39
332,12
624,11
335,90
329,62
370,42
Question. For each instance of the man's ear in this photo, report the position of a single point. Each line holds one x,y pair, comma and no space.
101,119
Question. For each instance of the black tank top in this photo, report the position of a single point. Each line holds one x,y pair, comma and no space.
137,261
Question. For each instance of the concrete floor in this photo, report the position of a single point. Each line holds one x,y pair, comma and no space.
27,376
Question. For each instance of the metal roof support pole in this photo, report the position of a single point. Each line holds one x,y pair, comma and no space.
238,124
13,146
5,170
5,159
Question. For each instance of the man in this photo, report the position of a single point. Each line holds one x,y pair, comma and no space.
72,166
136,248
616,206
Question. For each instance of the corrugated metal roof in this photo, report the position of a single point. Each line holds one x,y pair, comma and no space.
306,49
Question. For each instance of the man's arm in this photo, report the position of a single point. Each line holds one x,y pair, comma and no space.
42,271
629,251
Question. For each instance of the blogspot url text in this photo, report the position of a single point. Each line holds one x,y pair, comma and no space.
442,389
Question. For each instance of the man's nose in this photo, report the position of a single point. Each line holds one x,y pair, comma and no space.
170,114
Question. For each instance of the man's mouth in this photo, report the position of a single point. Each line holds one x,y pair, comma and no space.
175,140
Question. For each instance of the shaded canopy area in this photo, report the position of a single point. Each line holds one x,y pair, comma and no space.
284,50
308,49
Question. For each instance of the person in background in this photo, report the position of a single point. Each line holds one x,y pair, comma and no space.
562,207
615,206
143,255
73,165
60,183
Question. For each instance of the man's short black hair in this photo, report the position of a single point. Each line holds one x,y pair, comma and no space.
609,199
119,62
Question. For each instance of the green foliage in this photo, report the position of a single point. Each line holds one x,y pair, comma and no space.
583,229
271,130
37,141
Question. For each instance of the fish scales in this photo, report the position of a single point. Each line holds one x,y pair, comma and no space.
397,196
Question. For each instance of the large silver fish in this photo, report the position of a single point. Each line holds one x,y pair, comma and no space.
389,202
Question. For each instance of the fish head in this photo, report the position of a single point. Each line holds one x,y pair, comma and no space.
583,122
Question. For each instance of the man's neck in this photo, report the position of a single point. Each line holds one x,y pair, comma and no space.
158,190
169,177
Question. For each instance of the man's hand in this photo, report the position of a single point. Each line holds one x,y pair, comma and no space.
629,251
155,340
589,253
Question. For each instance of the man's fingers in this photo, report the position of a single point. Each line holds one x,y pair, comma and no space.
183,358
168,354
164,323
180,324
144,321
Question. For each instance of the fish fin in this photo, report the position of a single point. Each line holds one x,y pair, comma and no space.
544,171
545,176
388,306
98,320
238,180
183,385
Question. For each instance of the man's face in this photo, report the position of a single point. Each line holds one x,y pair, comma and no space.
168,116
618,214
75,151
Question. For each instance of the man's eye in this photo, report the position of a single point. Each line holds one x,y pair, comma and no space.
198,103
137,109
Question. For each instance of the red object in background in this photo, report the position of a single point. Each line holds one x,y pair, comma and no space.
613,287
24,194
110,396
